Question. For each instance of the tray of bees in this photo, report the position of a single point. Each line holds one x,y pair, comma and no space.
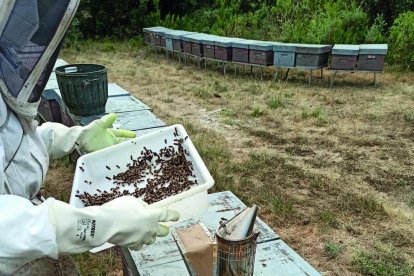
163,168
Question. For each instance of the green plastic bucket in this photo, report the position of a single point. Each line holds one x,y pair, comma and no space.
84,88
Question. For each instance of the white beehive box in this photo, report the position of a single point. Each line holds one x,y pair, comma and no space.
92,168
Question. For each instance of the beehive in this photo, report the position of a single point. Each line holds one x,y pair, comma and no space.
208,45
261,52
223,48
177,42
284,55
188,41
150,36
240,50
312,56
169,39
344,57
372,57
160,36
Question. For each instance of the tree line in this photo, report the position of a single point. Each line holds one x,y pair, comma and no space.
301,21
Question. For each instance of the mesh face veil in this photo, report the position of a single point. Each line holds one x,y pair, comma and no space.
31,34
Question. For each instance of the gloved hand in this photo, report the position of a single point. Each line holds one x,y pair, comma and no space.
125,221
97,135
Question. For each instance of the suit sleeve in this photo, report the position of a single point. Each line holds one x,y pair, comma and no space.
26,232
59,139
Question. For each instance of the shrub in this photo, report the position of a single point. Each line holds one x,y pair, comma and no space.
375,33
401,40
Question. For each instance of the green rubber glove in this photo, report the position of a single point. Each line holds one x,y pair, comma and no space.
98,134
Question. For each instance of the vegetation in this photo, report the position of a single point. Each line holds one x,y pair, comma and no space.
309,21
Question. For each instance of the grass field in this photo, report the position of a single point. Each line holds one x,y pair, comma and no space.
331,169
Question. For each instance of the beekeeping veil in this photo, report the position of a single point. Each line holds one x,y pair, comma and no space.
31,34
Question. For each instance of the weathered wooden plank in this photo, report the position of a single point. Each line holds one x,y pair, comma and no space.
163,251
177,268
124,104
114,90
137,120
277,258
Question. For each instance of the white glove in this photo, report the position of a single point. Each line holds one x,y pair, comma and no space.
125,221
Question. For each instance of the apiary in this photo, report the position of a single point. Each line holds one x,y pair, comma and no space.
284,55
312,56
240,50
261,52
208,45
344,57
223,48
372,57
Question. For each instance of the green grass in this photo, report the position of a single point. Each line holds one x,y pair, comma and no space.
318,113
257,111
98,263
328,218
332,249
276,102
282,205
364,206
382,261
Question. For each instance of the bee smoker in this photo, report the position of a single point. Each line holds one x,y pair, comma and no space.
236,239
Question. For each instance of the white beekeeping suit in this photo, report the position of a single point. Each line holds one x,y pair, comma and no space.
31,32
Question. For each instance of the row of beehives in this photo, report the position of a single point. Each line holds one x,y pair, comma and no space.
368,57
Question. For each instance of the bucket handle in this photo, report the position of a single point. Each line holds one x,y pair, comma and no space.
88,82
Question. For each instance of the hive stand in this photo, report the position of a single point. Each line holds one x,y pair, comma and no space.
352,71
164,257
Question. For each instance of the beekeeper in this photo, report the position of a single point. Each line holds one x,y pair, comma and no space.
36,235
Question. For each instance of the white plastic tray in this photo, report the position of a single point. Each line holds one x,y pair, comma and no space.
188,203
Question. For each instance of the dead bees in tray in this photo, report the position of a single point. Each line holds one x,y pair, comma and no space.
166,173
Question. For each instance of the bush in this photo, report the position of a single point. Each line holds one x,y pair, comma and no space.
401,40
375,33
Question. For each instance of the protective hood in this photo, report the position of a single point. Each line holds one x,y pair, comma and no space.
31,34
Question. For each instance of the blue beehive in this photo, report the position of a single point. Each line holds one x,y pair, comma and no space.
284,55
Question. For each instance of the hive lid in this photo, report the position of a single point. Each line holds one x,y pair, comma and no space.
260,45
373,49
242,43
209,39
285,47
177,34
346,50
151,29
195,37
161,31
313,48
226,41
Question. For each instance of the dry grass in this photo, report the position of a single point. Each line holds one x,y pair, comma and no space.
332,169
